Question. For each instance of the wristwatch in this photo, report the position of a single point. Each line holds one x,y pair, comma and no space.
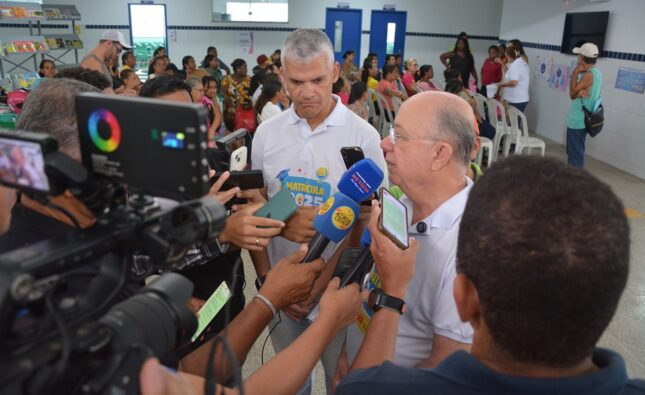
379,299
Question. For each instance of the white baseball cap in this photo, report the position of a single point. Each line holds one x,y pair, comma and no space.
116,36
588,50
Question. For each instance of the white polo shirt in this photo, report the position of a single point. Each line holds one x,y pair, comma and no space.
430,306
517,71
308,162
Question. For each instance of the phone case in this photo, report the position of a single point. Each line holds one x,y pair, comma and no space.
248,179
383,229
281,206
351,155
238,159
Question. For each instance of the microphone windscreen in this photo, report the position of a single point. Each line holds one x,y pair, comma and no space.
335,218
361,180
366,238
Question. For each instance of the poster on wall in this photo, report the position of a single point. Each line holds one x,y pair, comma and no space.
245,43
559,78
632,80
543,69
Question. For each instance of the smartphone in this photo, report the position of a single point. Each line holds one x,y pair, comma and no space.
346,261
393,221
238,159
351,155
248,179
281,206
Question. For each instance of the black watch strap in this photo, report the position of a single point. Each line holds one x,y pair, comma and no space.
379,300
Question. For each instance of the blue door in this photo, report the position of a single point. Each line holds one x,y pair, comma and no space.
387,33
344,28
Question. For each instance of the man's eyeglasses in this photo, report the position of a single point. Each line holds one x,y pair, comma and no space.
394,137
118,47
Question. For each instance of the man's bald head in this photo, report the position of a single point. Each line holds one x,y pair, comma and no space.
443,116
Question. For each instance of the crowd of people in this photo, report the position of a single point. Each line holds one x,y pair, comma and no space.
477,304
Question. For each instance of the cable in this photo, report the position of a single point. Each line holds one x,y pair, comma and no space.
63,210
65,340
268,336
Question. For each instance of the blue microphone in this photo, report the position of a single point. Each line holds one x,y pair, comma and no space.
333,221
361,180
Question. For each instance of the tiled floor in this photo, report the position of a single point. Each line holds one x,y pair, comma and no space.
626,333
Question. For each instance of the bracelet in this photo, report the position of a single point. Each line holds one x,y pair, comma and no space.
268,303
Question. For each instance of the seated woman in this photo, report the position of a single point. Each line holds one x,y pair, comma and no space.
387,87
409,77
267,104
341,88
456,87
197,94
358,100
425,81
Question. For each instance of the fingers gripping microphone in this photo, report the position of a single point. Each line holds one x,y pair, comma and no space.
333,221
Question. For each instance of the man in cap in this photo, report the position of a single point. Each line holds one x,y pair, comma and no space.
110,46
584,90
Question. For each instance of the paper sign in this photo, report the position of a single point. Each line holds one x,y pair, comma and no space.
632,80
245,43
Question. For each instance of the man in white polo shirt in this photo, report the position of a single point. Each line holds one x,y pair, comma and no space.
427,152
300,150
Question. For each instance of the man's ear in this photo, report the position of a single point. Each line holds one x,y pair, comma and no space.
442,156
335,72
467,300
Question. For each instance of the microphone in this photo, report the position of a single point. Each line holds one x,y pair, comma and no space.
333,221
361,180
363,264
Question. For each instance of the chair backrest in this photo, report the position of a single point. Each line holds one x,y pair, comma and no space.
515,116
481,99
381,102
396,102
370,104
496,113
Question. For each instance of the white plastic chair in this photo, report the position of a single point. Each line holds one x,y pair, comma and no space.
486,144
481,99
521,134
502,130
371,109
396,102
383,107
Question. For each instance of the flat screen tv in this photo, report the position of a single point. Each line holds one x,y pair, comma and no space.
583,27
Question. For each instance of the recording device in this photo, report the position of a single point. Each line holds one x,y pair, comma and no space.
219,156
54,295
281,206
351,155
247,179
238,159
334,219
393,221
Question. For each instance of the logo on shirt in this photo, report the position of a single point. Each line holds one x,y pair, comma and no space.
307,192
322,173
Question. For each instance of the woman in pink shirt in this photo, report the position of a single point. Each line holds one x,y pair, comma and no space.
425,83
387,86
408,79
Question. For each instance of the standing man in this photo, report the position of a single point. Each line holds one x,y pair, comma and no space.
300,150
584,90
428,152
111,44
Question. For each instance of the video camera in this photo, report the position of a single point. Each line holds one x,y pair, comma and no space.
54,295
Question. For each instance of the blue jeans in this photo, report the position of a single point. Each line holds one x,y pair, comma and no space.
576,147
287,330
520,106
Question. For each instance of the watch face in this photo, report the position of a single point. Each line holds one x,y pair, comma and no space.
372,299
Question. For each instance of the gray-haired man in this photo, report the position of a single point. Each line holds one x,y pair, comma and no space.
300,150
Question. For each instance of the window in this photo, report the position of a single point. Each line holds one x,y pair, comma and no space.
251,11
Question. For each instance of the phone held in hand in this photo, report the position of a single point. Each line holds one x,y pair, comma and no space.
351,155
393,221
238,159
248,179
280,207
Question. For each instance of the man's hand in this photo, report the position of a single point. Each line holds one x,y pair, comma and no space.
247,231
252,196
300,227
224,196
290,281
395,267
341,306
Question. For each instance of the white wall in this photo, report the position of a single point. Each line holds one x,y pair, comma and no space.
477,17
622,142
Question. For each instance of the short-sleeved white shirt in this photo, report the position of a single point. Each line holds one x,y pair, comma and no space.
308,162
517,71
430,306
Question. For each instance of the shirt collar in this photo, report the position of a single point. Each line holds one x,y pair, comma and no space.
445,216
335,118
465,369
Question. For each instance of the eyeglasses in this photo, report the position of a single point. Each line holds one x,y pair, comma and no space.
119,48
394,137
